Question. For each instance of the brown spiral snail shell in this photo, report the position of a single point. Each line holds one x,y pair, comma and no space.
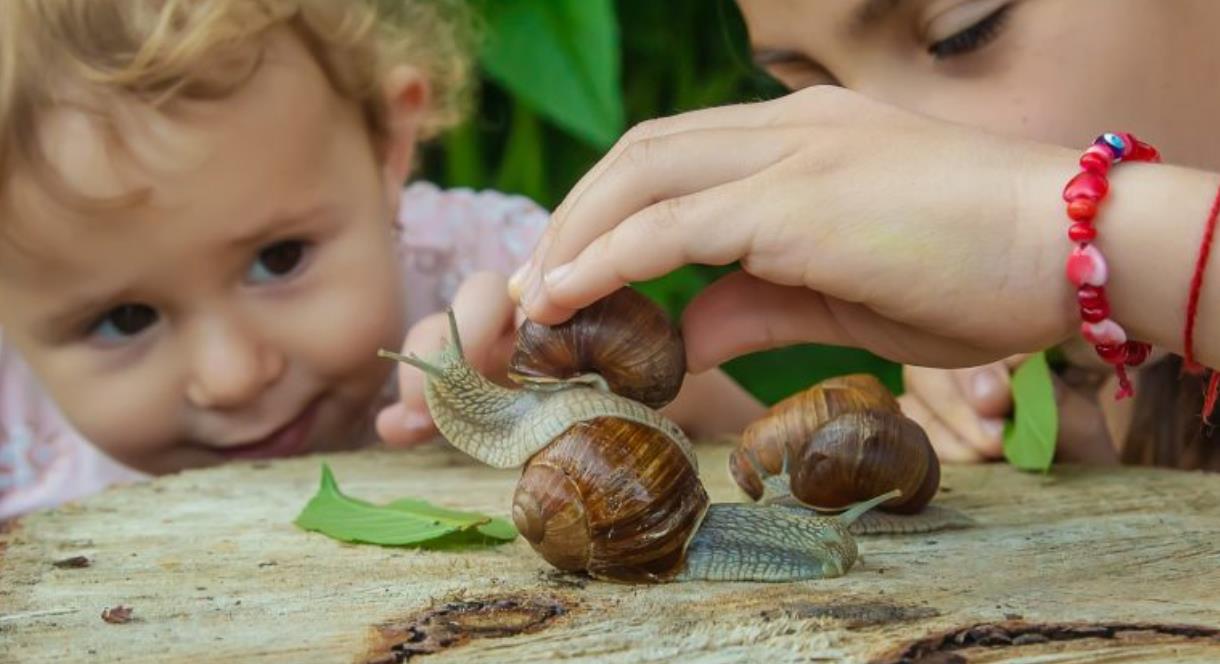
841,439
610,486
845,437
623,339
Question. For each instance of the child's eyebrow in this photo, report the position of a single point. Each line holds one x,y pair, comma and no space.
870,12
277,224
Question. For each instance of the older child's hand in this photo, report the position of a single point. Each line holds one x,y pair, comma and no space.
963,412
856,223
486,319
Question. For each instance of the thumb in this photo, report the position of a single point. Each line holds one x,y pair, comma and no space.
740,314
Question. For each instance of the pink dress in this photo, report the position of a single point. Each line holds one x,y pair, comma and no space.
446,235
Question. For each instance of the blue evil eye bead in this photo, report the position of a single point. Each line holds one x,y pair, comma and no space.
1115,143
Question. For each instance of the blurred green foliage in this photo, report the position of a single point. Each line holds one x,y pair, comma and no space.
562,79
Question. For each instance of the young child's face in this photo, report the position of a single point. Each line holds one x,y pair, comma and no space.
235,313
1060,71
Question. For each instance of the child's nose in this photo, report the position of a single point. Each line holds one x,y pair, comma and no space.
231,366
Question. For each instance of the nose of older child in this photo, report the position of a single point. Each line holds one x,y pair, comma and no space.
231,365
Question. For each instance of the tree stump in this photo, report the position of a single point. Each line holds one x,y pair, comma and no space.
1115,564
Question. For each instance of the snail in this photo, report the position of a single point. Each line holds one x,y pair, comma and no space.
610,486
839,442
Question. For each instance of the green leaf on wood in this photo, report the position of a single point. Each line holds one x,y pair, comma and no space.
563,58
1029,439
404,522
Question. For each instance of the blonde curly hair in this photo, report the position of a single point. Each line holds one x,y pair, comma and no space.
160,50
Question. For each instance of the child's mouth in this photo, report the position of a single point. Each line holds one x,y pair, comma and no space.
289,440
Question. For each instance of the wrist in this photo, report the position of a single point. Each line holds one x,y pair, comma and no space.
1042,228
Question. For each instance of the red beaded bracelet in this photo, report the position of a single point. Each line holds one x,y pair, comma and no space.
1086,268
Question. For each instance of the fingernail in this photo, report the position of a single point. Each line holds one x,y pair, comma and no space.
992,428
416,421
984,384
532,288
557,275
518,278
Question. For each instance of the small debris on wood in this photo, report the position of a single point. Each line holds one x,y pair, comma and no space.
562,579
455,623
75,562
1015,634
117,615
853,615
267,563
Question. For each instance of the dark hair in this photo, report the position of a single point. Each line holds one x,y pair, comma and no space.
1168,428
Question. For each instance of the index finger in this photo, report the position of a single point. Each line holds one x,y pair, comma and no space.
699,228
747,115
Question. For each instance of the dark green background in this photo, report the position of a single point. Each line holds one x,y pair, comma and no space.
562,79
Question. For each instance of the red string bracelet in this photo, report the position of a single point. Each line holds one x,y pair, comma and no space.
1192,309
1086,267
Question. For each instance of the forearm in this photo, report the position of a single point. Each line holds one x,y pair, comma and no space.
1149,230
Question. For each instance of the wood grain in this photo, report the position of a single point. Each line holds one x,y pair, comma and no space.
214,570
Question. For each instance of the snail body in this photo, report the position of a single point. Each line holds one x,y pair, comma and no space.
839,442
609,485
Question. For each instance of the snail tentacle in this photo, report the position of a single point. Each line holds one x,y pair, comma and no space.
776,487
413,360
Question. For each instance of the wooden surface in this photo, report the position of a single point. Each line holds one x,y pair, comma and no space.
214,570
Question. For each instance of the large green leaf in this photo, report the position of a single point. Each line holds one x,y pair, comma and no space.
408,521
490,527
562,57
1029,440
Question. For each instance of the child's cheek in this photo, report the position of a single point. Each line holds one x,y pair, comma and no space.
131,418
359,313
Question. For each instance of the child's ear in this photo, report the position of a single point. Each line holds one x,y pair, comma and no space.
406,93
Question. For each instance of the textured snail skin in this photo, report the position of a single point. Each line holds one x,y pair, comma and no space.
742,542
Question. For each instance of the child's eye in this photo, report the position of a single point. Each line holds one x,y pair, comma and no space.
123,322
277,261
972,38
